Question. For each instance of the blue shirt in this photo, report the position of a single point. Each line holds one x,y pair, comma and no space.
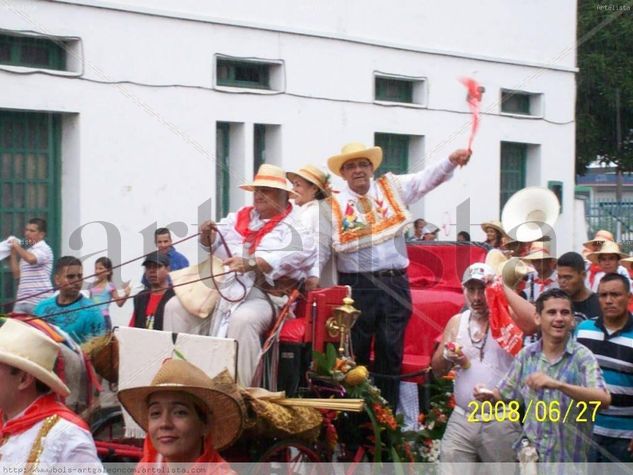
79,322
614,353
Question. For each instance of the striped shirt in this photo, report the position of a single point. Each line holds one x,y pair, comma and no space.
562,438
36,278
614,353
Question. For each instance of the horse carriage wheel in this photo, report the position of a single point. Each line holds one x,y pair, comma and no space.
291,457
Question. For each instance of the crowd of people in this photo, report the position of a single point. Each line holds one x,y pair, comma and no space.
571,312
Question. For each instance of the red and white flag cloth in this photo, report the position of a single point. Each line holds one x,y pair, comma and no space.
475,92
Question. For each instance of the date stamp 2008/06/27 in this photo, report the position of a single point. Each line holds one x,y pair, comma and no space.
542,411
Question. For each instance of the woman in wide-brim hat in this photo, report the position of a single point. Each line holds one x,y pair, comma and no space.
311,186
188,417
494,233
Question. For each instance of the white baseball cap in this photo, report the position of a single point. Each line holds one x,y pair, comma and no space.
478,271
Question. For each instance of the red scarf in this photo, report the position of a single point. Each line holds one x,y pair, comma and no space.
593,270
209,463
42,408
502,327
542,283
253,238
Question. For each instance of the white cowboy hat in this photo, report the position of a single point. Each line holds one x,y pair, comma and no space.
538,250
608,247
314,175
350,152
28,349
226,410
269,176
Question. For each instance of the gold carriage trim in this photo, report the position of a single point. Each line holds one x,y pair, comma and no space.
379,230
34,456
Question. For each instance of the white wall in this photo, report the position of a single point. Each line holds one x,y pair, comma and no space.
134,155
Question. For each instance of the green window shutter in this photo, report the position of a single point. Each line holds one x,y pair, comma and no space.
259,146
32,52
29,181
394,90
513,170
395,150
243,74
222,177
515,103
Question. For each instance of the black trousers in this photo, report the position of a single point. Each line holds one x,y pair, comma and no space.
385,305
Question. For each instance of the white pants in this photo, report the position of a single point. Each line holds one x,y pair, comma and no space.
248,324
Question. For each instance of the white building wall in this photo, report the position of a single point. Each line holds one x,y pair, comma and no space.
141,113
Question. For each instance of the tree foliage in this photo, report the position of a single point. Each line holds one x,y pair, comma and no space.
605,61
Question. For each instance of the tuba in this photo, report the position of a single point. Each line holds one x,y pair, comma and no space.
530,214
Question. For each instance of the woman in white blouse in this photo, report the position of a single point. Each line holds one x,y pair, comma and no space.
312,187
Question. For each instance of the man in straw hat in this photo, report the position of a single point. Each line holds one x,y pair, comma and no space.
539,257
558,373
368,219
35,427
188,417
270,251
469,347
608,259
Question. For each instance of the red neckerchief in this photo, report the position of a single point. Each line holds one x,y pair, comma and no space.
503,329
253,238
593,270
42,408
209,463
543,282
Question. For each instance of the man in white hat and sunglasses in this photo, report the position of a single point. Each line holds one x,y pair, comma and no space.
369,218
270,252
36,428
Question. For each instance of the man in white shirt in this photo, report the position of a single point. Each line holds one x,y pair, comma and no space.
270,252
35,428
368,222
32,266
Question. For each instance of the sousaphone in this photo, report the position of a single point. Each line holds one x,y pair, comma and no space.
530,214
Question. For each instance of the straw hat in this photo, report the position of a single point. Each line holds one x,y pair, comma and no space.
28,349
627,262
600,236
496,225
226,410
608,247
350,152
538,250
314,175
269,176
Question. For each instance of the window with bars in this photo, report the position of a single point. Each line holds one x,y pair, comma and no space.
513,170
29,181
394,90
521,103
395,151
32,52
248,74
222,176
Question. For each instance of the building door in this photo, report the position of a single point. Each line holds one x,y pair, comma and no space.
29,182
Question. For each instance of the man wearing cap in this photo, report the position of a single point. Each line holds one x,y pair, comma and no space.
468,347
70,310
149,305
162,239
270,252
35,428
368,221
